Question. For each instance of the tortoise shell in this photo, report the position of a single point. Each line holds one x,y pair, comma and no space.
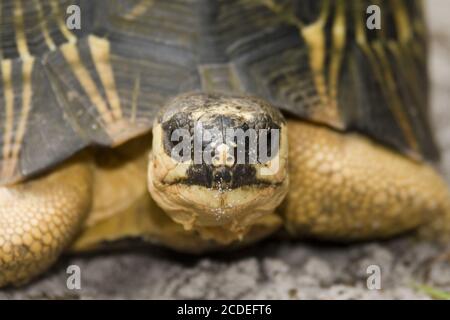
62,90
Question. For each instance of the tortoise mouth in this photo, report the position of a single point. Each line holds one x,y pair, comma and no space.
223,178
230,212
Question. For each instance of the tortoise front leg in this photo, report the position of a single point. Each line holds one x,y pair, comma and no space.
38,218
347,187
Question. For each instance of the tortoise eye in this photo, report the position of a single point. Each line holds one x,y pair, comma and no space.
176,131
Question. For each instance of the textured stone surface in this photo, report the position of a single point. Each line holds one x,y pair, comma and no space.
283,270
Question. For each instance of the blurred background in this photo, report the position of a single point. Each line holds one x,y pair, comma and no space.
275,269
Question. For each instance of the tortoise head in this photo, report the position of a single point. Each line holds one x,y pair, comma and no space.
218,162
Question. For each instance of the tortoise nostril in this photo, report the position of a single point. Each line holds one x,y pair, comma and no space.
222,175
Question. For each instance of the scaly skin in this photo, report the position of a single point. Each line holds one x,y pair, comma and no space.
346,187
39,218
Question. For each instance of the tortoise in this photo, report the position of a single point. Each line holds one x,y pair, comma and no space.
89,115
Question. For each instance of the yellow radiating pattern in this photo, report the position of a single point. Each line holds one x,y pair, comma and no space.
61,23
70,53
138,10
27,93
21,40
44,26
8,92
383,73
100,52
338,33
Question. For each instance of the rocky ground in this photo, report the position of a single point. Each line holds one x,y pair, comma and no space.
280,270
